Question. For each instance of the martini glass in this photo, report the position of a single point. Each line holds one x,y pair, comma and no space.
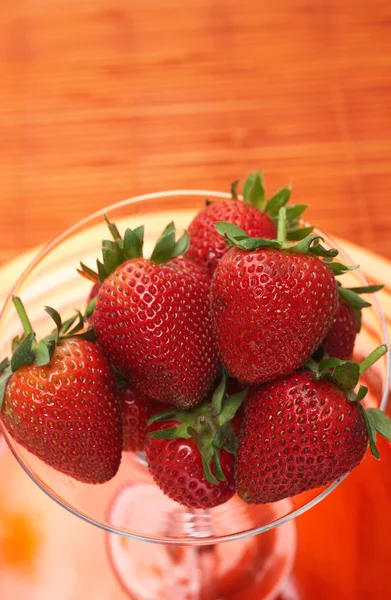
189,561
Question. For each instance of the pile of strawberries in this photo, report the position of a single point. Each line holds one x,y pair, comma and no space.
225,357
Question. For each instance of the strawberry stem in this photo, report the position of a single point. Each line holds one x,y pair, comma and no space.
372,358
20,309
281,232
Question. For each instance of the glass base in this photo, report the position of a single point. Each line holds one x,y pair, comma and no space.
252,568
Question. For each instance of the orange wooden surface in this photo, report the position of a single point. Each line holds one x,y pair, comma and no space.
103,99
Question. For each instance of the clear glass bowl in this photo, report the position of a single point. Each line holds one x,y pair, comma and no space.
131,504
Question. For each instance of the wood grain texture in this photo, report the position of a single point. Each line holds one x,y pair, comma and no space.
104,99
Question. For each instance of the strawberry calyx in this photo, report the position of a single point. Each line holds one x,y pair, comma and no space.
120,249
346,374
352,297
209,424
235,236
26,350
254,193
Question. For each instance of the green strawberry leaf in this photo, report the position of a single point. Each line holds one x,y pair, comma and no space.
217,466
4,378
362,392
172,414
226,438
78,327
358,315
353,397
111,259
352,298
103,274
24,354
295,234
329,363
207,471
219,395
319,250
371,429
366,289
230,231
42,353
347,375
165,245
234,189
55,316
255,243
88,335
139,231
181,246
294,212
180,431
110,245
311,245
381,422
340,269
207,451
278,201
231,406
90,308
68,324
133,244
254,190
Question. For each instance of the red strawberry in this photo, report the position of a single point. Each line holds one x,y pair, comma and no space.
306,430
341,337
271,305
152,319
59,403
94,292
191,455
136,409
339,341
254,215
207,246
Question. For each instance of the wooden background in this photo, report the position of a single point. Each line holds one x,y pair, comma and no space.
103,99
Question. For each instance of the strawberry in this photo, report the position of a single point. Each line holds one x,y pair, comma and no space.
93,292
207,246
58,402
254,215
152,318
136,409
306,430
340,339
191,454
272,304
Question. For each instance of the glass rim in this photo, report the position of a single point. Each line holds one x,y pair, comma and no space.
190,541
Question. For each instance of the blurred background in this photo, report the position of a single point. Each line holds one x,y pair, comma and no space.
104,99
